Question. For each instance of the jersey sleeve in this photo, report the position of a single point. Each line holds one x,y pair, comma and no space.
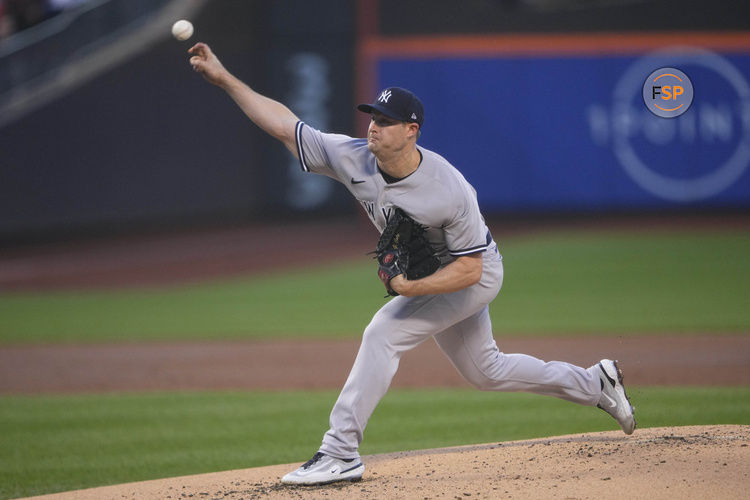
317,150
466,233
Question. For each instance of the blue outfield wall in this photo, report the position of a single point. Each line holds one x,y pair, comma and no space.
573,133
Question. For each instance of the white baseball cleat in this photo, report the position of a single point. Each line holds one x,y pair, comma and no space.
614,400
322,469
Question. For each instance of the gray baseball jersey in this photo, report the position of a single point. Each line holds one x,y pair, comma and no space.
439,197
436,195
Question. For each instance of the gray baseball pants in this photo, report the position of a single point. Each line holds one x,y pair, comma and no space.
460,324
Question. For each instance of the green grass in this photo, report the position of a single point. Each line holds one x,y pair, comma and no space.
624,283
611,283
58,443
325,301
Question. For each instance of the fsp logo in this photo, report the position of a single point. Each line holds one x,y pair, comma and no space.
714,135
384,96
668,92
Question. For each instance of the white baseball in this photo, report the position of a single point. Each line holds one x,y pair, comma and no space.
182,30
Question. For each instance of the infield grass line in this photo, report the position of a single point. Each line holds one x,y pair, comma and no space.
579,283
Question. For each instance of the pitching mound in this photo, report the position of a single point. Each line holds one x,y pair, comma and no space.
675,462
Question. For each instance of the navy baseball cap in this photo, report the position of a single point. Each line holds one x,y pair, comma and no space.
397,103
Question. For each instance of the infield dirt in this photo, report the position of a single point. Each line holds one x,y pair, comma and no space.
676,462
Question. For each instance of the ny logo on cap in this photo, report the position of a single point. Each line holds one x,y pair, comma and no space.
384,96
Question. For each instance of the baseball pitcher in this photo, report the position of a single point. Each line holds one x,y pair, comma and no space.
436,257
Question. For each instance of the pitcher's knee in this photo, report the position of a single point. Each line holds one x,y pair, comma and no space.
480,381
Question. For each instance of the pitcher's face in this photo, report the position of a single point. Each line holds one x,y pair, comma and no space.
386,135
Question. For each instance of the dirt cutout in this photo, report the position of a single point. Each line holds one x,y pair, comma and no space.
676,462
255,364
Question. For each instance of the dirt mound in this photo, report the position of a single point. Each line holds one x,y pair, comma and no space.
675,462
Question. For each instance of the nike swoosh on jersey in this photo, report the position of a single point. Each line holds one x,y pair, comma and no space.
356,182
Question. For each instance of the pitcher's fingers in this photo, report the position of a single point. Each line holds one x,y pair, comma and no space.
199,48
197,63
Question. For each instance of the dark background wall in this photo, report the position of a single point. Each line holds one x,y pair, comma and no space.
149,145
399,17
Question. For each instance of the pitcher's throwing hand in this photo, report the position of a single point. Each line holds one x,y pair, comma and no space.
205,62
